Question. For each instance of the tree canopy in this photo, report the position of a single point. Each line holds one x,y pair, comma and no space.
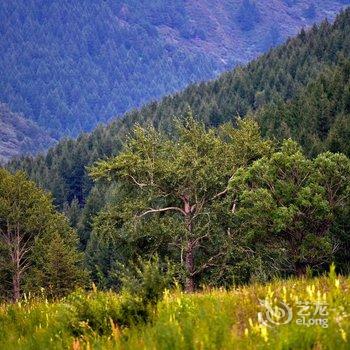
289,201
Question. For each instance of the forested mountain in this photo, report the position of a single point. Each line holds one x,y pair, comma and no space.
275,80
20,136
68,65
204,188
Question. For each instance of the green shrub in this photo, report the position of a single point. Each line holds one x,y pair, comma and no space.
93,312
147,279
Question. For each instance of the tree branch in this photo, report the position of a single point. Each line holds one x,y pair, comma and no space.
233,209
161,210
139,184
198,239
219,194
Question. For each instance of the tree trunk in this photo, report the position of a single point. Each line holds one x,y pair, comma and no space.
16,281
300,269
18,248
189,263
189,254
16,261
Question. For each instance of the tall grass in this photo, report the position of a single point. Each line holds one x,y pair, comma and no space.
211,319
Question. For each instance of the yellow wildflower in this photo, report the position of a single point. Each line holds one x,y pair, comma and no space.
264,334
343,334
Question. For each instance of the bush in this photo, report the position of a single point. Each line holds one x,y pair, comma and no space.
147,279
93,312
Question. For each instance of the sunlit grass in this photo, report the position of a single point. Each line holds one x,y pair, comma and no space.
211,319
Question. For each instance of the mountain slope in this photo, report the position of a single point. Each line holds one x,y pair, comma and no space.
275,77
19,136
69,65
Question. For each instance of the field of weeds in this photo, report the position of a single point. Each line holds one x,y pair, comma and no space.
293,314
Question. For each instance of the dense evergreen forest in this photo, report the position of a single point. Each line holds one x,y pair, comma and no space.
207,185
80,63
275,80
68,65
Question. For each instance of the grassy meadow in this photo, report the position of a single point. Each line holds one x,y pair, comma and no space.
211,319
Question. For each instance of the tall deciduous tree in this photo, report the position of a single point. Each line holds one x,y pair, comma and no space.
28,218
183,177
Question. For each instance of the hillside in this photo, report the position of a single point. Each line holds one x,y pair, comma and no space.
20,136
273,78
68,66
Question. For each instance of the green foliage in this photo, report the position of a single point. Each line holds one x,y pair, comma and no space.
92,313
147,279
57,266
112,244
183,179
317,117
289,198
